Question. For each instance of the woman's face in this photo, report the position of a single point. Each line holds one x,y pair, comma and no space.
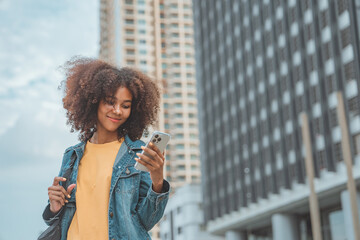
113,111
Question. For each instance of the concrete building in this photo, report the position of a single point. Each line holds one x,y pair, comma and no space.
156,36
261,64
183,218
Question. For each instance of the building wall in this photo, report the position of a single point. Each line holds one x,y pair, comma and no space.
260,64
157,37
183,218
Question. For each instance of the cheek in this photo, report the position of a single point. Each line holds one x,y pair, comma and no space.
128,113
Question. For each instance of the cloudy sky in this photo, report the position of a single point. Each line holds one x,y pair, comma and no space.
36,37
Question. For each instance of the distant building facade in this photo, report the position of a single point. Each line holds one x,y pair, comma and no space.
157,37
183,218
260,64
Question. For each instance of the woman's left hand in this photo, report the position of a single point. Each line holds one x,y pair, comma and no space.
154,161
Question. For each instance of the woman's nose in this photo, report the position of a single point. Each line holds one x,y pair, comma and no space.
117,109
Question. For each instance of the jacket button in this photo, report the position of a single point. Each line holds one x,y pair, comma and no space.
127,171
111,214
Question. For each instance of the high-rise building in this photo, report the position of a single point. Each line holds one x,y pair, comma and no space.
157,37
260,65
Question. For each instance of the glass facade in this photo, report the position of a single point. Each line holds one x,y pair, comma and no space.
259,65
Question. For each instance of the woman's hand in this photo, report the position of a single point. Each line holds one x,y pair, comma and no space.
154,161
58,195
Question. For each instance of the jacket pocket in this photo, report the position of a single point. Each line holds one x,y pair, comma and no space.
128,180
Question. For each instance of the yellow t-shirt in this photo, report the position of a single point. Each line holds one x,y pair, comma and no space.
93,189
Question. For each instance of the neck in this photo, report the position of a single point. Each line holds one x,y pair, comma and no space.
101,138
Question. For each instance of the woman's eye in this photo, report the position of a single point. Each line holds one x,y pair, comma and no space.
126,106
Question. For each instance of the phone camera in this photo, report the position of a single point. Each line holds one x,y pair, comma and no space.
159,139
156,136
154,140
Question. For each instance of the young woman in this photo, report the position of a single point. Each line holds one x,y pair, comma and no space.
106,197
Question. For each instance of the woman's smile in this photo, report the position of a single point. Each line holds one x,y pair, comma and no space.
115,120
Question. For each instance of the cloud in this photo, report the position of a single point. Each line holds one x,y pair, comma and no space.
36,38
40,36
4,5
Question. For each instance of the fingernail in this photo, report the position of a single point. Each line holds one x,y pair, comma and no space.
142,147
138,154
66,201
64,179
69,196
151,144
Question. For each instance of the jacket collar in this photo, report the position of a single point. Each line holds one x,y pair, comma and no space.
133,145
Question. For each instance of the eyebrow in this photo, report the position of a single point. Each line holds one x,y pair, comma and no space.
117,99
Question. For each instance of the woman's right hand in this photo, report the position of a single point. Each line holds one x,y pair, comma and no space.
57,194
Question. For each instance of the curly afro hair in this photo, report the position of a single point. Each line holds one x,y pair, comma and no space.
88,81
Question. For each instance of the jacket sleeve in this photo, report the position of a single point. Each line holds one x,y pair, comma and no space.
151,205
48,216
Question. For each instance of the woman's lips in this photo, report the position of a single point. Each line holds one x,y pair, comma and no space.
115,120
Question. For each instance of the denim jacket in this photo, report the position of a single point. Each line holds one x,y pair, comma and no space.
134,208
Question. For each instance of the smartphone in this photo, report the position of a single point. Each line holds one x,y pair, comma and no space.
160,140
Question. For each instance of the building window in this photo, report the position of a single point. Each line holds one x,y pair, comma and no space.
129,41
179,135
357,144
142,21
129,21
180,157
180,146
181,178
130,52
128,11
181,167
354,106
338,152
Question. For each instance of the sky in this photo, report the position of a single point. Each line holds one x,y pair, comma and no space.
36,38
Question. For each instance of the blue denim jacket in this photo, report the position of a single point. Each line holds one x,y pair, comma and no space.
134,208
